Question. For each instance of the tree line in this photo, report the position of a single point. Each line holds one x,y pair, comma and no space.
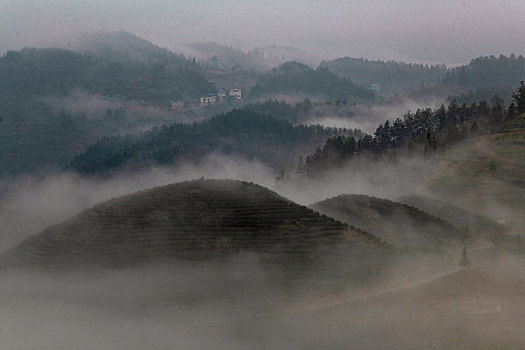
423,131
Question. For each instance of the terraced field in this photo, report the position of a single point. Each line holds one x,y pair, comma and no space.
196,220
396,223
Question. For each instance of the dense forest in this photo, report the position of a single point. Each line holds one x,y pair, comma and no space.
57,72
294,77
244,133
422,132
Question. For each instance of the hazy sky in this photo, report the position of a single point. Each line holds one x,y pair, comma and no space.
443,31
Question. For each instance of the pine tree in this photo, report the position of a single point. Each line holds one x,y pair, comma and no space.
465,262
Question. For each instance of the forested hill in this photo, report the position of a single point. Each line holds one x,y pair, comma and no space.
391,75
294,77
40,72
243,133
483,78
479,80
485,72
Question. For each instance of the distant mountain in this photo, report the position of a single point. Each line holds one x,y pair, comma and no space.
244,133
295,77
396,223
118,46
392,77
204,220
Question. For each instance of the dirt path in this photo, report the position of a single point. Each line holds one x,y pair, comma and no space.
324,305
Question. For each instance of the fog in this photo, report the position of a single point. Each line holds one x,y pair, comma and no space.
422,297
236,307
421,301
37,204
450,32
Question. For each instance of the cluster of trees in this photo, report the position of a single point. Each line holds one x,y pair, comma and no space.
243,133
422,131
56,72
390,75
295,77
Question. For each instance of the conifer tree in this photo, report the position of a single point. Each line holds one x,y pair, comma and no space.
519,98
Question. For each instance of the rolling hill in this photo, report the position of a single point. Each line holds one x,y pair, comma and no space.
398,224
200,220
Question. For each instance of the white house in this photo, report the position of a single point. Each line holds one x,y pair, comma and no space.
209,100
236,93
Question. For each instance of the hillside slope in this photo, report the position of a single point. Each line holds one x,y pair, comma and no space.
396,223
485,175
197,221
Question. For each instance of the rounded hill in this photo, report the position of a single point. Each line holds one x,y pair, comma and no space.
396,223
194,220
